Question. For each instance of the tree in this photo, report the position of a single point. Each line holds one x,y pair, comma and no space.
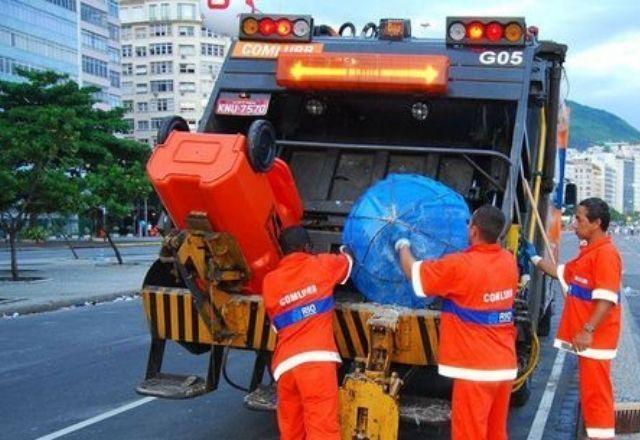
39,130
54,146
114,168
114,187
617,216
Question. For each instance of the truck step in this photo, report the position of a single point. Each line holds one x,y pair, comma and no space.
262,398
173,386
414,410
424,411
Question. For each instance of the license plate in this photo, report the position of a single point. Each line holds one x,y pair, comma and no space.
235,105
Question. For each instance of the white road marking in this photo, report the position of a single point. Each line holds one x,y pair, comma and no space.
96,419
544,408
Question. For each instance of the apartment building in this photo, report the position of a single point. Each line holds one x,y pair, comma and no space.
588,177
169,63
610,172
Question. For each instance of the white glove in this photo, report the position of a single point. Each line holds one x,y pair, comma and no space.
403,242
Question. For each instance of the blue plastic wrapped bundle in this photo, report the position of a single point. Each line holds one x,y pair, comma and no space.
430,214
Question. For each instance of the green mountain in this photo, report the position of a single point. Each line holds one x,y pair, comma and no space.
594,126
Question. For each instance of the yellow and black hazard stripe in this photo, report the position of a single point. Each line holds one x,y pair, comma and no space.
172,314
259,333
417,334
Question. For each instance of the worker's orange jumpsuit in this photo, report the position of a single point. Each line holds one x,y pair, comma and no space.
298,296
594,275
477,334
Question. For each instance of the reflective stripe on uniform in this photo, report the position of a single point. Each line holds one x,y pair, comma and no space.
416,281
592,353
482,317
563,283
477,375
586,294
580,292
302,358
303,311
604,294
601,432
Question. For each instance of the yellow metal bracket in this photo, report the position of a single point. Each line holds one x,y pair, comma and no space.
369,408
211,264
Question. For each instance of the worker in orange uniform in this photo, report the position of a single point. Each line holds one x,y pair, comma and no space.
477,334
590,321
298,296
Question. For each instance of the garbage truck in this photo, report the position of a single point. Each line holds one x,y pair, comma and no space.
302,120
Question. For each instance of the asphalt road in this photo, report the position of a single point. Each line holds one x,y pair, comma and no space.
63,368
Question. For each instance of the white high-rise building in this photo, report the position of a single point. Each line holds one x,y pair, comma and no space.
169,63
624,184
611,172
588,177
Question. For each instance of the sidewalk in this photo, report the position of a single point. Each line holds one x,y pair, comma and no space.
68,282
27,245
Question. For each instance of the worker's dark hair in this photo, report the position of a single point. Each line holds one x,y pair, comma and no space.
489,220
295,239
597,209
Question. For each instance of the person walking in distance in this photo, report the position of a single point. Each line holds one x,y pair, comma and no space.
590,321
477,333
298,296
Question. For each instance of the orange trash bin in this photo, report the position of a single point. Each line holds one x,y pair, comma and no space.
211,173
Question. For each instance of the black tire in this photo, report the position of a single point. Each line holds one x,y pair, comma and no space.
162,274
521,397
170,124
261,145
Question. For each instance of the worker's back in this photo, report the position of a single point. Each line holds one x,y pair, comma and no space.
477,333
298,297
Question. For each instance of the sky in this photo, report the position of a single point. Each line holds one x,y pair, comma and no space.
603,60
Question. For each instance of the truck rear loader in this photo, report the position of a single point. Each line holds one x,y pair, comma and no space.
305,119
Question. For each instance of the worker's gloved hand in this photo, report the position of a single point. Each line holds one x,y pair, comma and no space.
529,251
403,242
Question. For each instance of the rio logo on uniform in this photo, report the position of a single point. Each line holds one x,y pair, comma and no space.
309,310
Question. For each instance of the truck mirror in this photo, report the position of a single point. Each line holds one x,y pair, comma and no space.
570,194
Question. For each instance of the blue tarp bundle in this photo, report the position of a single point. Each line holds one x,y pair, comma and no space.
431,215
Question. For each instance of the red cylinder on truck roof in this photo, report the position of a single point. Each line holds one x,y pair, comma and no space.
211,173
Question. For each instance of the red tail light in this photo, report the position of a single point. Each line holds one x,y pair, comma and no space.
494,31
267,26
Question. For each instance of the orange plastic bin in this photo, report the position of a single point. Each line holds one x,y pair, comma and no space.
211,173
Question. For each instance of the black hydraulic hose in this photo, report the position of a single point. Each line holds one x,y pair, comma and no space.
231,383
345,26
